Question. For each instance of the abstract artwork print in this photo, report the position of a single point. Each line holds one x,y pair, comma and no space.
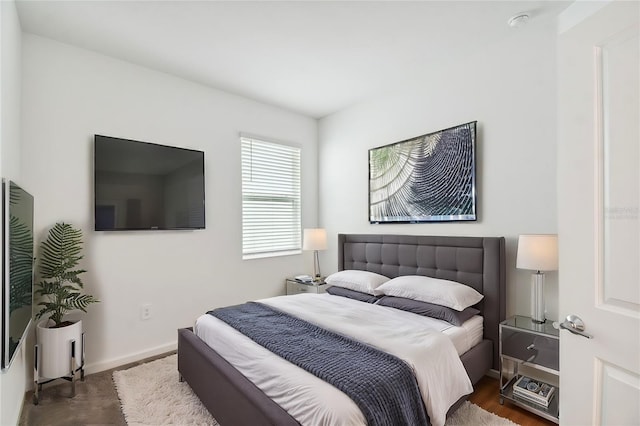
429,178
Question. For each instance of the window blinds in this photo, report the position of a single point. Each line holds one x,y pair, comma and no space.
270,198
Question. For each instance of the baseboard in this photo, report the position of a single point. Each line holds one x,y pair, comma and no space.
97,367
137,356
494,374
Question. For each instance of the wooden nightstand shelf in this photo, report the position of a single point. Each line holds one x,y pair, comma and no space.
295,287
531,349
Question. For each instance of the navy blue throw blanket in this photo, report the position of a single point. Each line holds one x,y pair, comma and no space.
382,385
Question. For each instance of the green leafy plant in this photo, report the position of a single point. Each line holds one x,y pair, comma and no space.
60,283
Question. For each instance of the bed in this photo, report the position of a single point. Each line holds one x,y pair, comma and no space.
478,262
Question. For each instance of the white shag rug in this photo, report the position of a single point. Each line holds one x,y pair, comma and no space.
150,394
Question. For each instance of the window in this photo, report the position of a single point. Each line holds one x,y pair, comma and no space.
270,198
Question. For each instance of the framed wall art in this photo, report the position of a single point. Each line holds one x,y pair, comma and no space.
429,178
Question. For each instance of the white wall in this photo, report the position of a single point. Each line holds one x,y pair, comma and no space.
10,91
69,95
13,381
510,89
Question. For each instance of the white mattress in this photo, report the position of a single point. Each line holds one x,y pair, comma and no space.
467,335
416,339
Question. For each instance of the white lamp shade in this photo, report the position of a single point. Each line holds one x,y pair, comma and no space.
537,252
314,239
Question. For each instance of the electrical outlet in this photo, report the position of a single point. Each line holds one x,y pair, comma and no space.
145,311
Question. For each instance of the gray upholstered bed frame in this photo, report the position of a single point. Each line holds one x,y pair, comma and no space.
475,261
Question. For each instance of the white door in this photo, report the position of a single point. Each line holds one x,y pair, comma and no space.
598,200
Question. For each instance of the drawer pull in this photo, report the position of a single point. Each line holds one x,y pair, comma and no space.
531,346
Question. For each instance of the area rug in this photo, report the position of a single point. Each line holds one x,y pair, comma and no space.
150,394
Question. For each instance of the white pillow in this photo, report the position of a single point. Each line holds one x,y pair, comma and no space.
433,290
363,281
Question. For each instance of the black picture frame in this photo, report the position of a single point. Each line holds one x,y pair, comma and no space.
429,178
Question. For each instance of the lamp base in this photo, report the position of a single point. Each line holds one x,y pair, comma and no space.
316,267
537,297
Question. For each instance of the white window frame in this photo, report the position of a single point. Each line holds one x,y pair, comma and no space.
271,197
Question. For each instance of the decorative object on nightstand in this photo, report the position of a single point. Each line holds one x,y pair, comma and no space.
535,391
529,355
315,239
537,253
295,286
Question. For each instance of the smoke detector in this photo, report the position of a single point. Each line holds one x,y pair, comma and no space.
518,20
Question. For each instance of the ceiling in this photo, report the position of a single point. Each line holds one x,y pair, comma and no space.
311,57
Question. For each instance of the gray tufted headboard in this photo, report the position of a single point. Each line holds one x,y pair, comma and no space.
478,262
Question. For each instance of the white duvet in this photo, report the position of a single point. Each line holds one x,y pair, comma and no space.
416,339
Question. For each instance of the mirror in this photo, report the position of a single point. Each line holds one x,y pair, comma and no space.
17,268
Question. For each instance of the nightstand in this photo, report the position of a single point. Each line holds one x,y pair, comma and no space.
531,349
295,287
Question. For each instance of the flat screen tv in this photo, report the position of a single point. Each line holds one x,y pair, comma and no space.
17,268
146,186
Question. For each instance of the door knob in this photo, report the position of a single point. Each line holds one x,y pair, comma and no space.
574,324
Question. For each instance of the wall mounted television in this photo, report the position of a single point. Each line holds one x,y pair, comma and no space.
17,268
146,186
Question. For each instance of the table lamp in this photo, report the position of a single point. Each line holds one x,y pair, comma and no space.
315,239
537,253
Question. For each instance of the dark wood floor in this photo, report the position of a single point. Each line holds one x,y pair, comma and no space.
486,396
96,402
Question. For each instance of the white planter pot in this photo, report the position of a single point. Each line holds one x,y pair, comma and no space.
54,348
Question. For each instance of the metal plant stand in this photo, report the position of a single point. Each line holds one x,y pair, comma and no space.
76,365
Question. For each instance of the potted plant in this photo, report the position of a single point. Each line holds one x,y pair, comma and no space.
59,289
